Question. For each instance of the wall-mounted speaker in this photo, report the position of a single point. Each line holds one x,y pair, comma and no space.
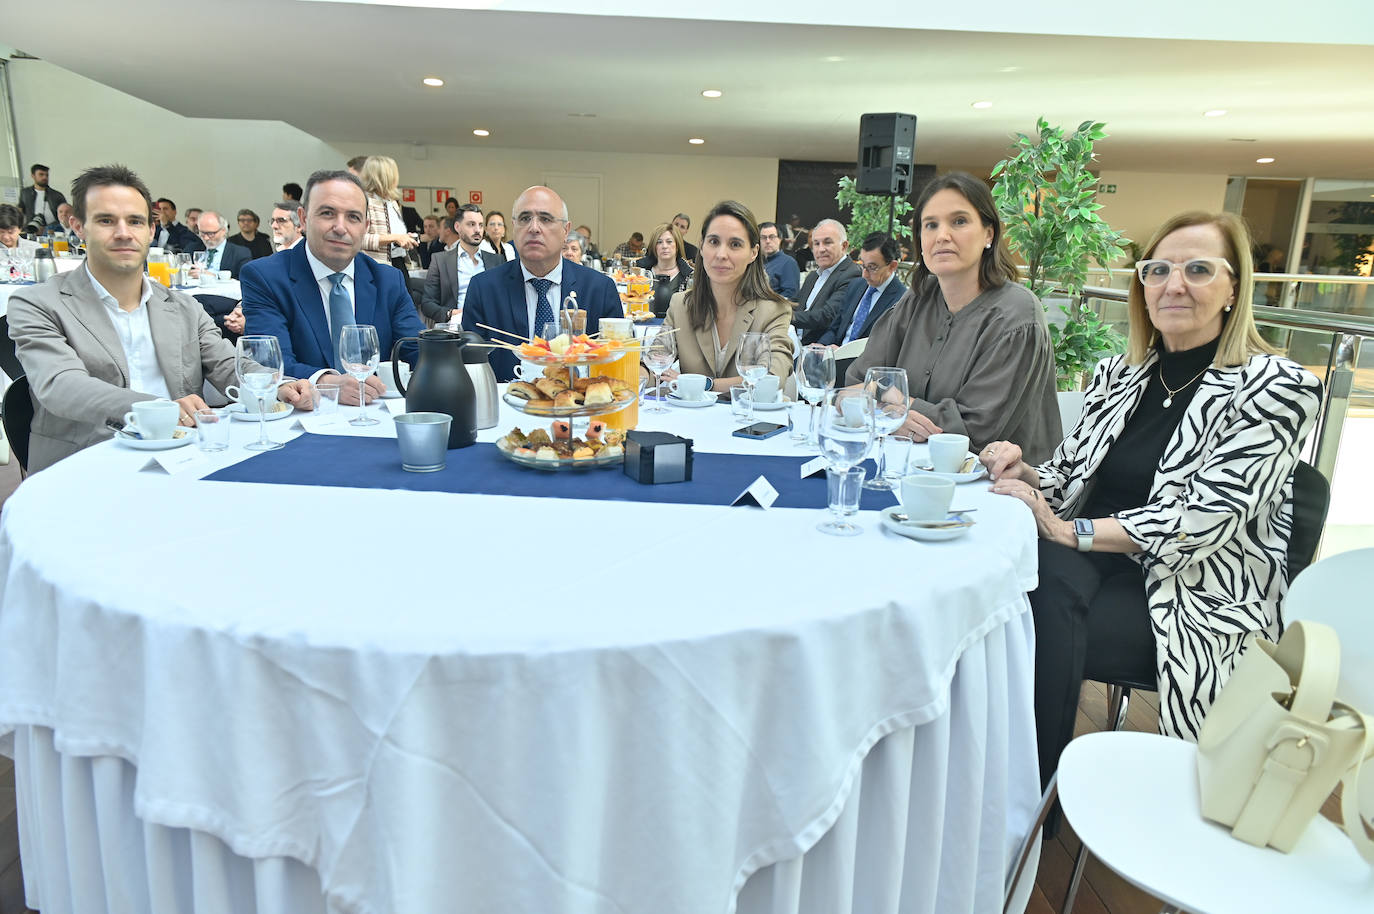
887,149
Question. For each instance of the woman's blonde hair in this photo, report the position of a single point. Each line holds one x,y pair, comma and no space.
381,177
657,233
1240,337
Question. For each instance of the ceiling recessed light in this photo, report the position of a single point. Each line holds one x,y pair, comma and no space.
711,93
982,104
480,132
1264,160
696,141
833,59
432,81
1007,69
1215,112
580,114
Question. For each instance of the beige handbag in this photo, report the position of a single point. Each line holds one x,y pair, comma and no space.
1276,742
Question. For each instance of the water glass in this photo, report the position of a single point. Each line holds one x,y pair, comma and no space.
212,430
327,401
844,489
896,458
799,415
741,404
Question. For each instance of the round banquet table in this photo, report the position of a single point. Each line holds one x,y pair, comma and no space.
234,697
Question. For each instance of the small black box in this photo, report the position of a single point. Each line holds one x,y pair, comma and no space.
653,457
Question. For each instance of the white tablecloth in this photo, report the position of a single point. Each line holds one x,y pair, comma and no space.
229,288
443,702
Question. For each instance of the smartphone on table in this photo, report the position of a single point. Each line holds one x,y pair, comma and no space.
760,430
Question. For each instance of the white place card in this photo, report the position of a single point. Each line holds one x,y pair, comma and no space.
179,461
760,493
396,406
813,467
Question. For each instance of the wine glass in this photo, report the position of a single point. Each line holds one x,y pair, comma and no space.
752,360
257,359
658,354
846,434
359,354
888,388
815,375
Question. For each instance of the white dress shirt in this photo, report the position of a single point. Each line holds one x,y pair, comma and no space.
136,336
469,265
555,294
486,246
40,205
821,277
323,279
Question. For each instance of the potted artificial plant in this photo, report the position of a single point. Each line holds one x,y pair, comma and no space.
1044,194
869,213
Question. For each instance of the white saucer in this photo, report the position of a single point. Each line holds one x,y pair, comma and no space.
770,407
914,529
391,394
241,413
182,436
978,471
692,404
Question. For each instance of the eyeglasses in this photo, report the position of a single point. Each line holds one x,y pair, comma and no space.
280,220
204,234
1199,271
873,267
548,220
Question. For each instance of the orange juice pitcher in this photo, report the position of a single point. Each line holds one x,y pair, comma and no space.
158,267
626,369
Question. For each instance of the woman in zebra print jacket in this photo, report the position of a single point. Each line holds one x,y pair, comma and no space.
1179,472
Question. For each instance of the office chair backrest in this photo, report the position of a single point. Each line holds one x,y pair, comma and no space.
16,411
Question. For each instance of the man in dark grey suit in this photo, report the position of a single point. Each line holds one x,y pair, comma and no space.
450,271
822,295
98,339
39,201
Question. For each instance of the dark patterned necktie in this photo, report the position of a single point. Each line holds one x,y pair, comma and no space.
543,310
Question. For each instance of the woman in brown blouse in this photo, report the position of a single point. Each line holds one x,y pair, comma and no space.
972,339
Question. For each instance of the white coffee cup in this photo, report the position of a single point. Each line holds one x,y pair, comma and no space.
948,452
154,420
766,389
248,399
926,497
225,275
525,371
690,386
389,379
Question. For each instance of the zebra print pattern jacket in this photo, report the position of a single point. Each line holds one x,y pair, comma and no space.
1214,533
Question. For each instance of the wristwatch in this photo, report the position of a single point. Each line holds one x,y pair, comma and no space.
1083,528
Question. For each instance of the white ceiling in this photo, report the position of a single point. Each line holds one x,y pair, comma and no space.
350,72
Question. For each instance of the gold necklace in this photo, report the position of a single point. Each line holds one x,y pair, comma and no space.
1169,400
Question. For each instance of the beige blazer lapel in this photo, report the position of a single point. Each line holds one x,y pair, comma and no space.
79,297
744,321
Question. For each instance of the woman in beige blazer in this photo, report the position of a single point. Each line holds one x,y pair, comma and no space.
731,297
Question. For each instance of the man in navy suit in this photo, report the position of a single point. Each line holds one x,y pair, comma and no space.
523,294
219,253
869,300
305,295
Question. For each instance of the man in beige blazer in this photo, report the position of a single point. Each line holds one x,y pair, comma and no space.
100,338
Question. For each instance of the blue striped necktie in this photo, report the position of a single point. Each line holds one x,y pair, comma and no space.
340,313
861,315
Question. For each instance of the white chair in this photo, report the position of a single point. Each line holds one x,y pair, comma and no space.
1335,592
1153,835
1070,408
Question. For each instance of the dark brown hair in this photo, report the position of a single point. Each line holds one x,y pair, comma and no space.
754,285
996,266
106,176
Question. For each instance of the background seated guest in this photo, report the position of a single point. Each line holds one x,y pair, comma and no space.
305,296
64,216
822,295
429,241
574,248
286,225
780,266
683,223
193,218
386,240
171,235
291,191
96,340
668,262
39,202
589,249
1180,470
731,298
972,339
249,237
219,253
632,249
869,300
11,221
522,295
494,241
451,270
